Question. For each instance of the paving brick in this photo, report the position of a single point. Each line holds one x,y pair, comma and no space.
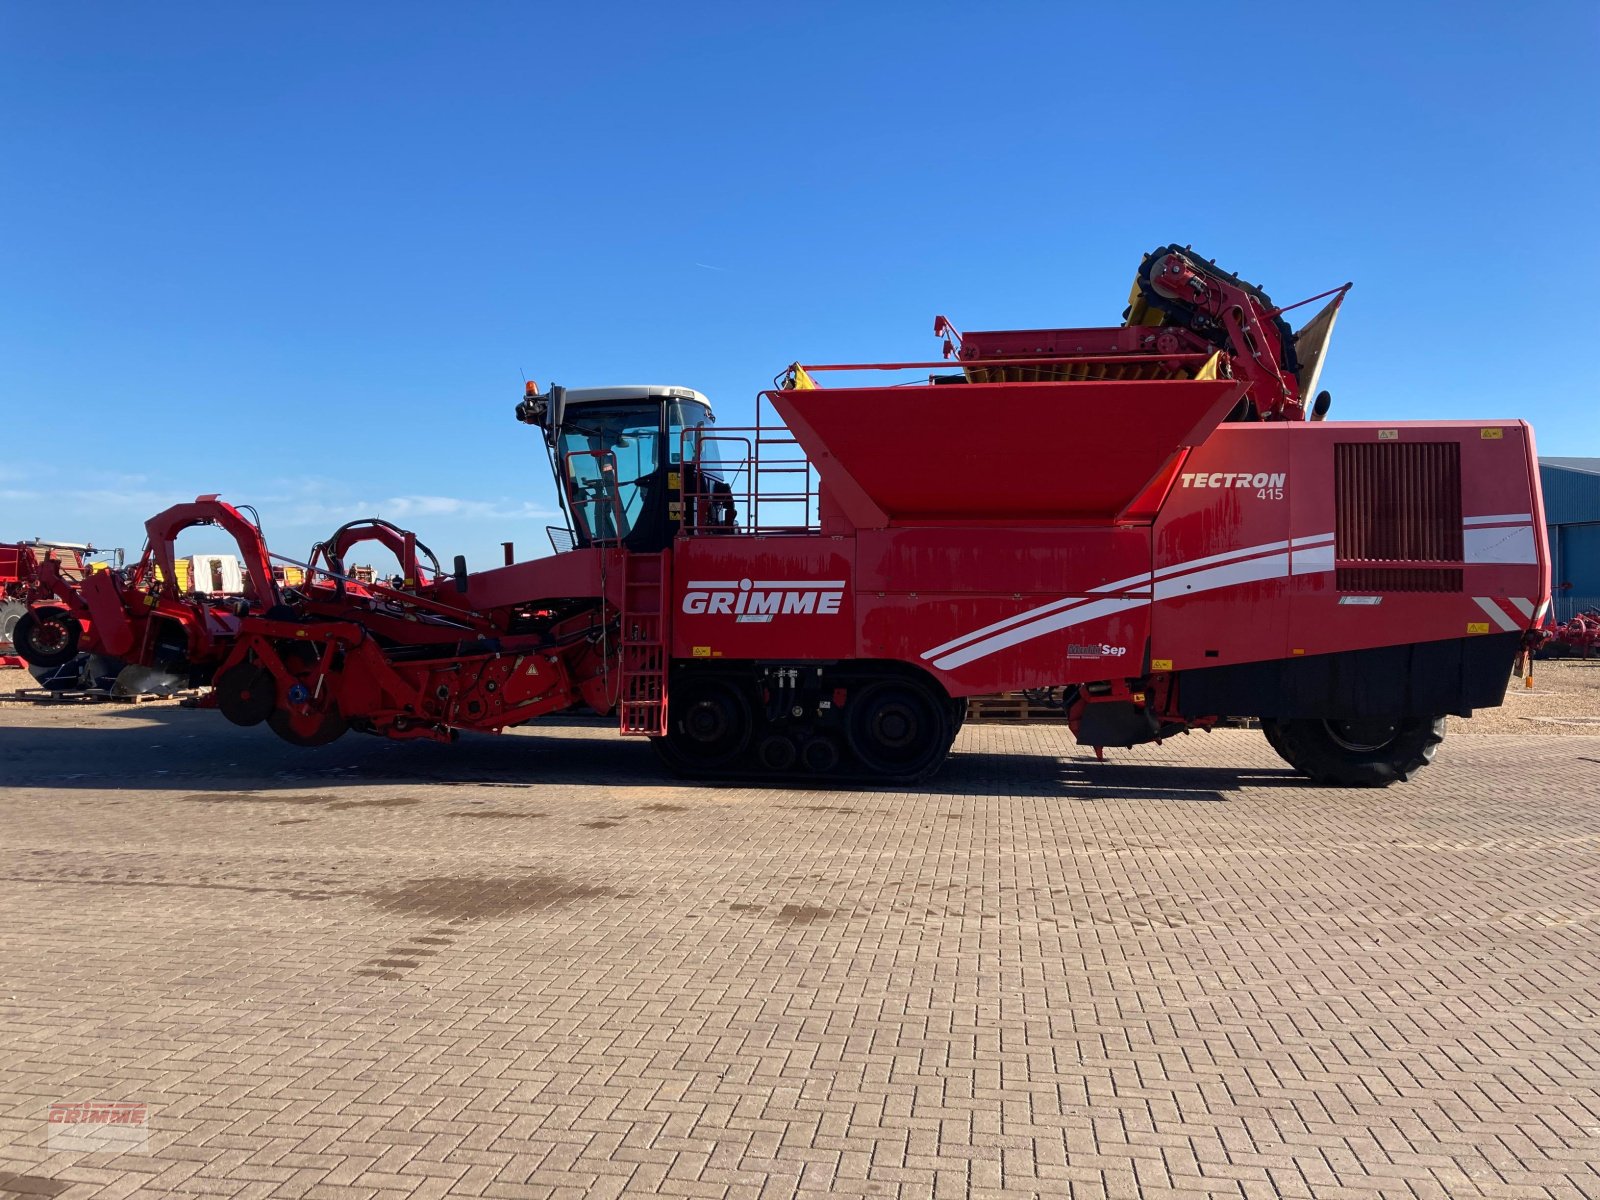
1179,974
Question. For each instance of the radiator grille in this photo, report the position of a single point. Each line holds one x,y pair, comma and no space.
1398,511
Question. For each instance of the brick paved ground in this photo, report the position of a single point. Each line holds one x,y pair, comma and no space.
384,970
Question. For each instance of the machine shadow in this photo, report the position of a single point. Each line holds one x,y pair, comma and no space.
165,748
988,774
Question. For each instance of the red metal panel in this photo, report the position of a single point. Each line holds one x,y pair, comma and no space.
1221,551
999,452
990,643
1052,562
764,597
1000,609
575,573
1363,605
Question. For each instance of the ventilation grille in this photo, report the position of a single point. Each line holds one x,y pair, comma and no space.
1399,505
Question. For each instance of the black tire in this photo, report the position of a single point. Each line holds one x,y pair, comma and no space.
11,612
709,723
898,729
47,637
316,726
247,693
1370,754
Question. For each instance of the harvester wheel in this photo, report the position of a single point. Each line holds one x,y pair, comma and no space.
11,611
316,728
1356,753
47,637
897,729
709,724
319,725
246,693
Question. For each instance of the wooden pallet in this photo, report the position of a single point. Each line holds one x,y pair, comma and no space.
80,696
1012,708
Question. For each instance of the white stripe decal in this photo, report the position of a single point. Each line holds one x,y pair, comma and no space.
1077,616
1510,544
1496,613
1141,581
1502,519
1525,607
1274,566
1311,560
1007,623
1196,563
1118,585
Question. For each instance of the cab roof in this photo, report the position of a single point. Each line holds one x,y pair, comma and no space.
634,391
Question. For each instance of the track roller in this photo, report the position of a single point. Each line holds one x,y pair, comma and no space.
777,753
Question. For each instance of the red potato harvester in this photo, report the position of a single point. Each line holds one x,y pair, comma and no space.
1154,520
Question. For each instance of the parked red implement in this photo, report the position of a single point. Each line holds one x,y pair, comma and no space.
1141,517
1576,637
19,569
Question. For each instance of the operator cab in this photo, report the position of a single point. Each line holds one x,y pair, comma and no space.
618,457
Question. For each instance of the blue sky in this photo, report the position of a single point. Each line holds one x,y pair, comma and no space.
302,254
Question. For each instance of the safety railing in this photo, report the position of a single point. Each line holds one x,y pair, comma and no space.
747,479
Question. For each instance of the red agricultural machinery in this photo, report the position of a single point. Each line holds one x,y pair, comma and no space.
1576,637
19,572
1152,519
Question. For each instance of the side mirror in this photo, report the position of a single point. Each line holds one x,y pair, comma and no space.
461,572
558,406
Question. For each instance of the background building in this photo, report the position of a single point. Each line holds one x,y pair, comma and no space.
1572,517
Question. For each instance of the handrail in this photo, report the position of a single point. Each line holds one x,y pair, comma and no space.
946,364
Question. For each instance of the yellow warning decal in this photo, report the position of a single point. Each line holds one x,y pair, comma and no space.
1388,435
1491,435
1477,627
702,651
1161,664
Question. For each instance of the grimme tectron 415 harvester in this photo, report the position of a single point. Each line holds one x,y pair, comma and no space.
1153,520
